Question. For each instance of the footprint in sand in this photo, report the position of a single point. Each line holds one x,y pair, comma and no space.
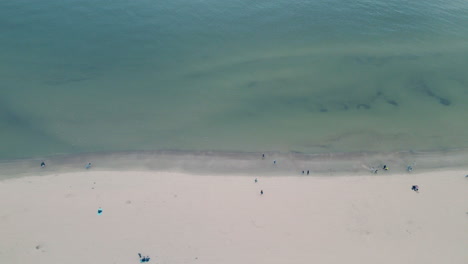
40,247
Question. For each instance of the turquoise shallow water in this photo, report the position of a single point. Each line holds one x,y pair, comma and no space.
306,76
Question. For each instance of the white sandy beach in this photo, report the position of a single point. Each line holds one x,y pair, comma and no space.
180,218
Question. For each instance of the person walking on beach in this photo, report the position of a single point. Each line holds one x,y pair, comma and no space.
261,192
307,172
302,172
88,166
256,180
42,164
263,156
274,162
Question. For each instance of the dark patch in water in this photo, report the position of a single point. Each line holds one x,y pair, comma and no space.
380,94
429,92
444,101
10,117
424,88
322,108
363,106
392,102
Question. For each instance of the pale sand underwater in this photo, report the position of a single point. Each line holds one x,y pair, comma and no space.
182,218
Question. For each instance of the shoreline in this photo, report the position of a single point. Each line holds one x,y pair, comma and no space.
239,163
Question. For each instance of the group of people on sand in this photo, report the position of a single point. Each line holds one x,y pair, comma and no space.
373,169
274,163
408,169
384,167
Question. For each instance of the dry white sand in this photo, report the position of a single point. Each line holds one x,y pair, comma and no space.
179,218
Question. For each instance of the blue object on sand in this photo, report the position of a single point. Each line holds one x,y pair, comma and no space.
144,259
99,211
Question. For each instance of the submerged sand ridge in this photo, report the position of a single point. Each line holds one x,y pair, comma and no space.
183,218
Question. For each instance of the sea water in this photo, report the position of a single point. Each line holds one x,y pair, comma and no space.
244,76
